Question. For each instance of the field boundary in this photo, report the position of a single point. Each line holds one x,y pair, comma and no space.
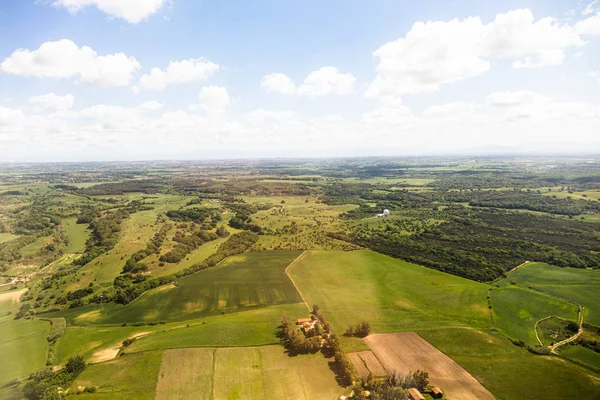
292,279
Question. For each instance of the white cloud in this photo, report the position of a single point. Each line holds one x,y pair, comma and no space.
595,75
278,83
434,53
509,98
319,83
325,81
64,59
52,101
177,72
132,11
590,9
214,99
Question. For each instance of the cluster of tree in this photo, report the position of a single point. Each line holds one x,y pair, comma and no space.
130,287
321,337
482,244
195,214
149,186
187,243
80,293
104,236
392,387
513,199
11,251
589,343
242,218
35,218
43,385
360,330
133,264
295,341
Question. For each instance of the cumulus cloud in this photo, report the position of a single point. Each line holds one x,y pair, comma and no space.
64,59
434,53
132,11
52,101
510,98
177,72
213,99
149,131
319,83
278,83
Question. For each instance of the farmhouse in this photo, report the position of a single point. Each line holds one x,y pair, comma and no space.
437,393
302,321
415,394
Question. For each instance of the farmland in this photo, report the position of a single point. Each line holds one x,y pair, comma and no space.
173,280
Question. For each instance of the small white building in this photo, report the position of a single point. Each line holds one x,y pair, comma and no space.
385,214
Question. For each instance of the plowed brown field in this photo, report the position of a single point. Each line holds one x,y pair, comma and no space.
404,352
366,363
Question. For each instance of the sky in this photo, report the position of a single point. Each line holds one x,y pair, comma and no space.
120,80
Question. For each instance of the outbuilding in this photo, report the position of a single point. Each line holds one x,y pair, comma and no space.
415,394
437,393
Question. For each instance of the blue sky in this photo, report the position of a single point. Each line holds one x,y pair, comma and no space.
482,76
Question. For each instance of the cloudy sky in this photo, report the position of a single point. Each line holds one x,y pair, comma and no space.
195,79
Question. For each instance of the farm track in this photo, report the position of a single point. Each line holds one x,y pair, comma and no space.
572,338
292,279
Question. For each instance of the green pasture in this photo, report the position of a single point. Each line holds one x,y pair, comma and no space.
131,377
248,328
581,286
516,310
241,282
582,355
392,295
77,234
23,348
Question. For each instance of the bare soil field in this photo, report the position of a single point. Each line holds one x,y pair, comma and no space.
404,352
13,297
112,352
366,363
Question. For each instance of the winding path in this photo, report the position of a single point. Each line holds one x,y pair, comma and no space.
294,283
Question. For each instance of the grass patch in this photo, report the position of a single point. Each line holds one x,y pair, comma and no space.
77,234
553,330
582,355
7,237
393,295
249,328
516,311
23,347
581,286
131,377
241,282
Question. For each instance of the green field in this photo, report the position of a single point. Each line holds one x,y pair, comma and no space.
221,374
23,348
516,311
448,311
391,294
132,377
240,282
248,328
583,355
581,286
77,234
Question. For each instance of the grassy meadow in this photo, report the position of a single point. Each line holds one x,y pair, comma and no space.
516,311
581,286
23,348
132,377
240,282
77,234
